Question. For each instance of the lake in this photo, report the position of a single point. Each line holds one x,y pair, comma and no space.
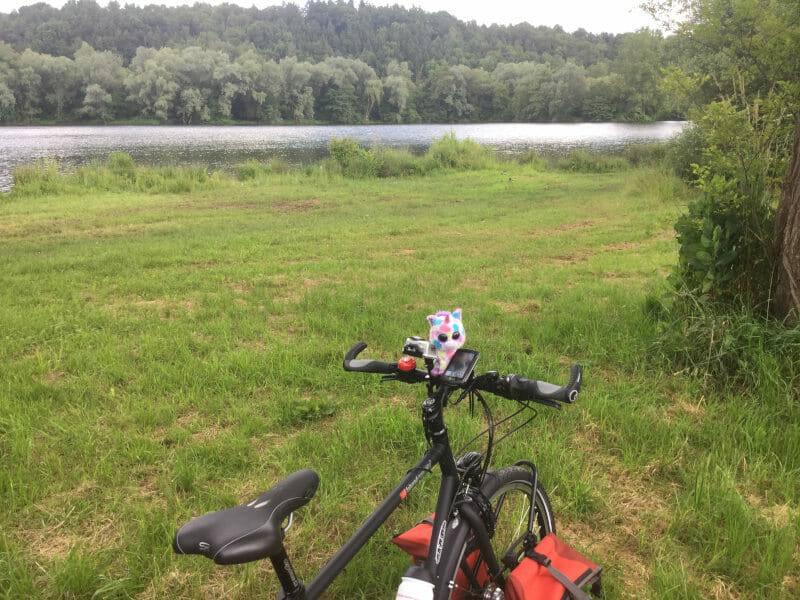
220,146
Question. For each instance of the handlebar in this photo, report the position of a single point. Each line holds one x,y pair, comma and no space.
511,386
516,387
351,363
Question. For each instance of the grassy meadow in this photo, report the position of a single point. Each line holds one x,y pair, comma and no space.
171,349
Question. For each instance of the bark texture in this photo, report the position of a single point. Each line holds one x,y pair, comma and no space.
786,292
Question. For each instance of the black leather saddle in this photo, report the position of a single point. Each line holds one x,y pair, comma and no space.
251,531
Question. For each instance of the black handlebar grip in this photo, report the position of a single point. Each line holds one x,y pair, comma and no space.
520,388
351,363
574,385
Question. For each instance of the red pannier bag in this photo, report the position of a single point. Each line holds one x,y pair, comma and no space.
415,541
553,571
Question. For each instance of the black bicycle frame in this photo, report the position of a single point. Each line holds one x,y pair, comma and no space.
439,453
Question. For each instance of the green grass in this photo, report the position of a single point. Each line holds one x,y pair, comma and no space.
169,351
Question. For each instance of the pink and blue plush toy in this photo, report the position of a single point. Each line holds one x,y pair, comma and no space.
447,336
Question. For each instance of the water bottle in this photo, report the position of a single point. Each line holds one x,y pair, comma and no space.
415,585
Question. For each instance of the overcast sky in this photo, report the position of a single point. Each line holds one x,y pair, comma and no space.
596,16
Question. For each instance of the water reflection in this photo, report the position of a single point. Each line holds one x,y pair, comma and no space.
220,146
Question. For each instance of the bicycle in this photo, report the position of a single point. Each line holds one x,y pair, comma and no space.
484,523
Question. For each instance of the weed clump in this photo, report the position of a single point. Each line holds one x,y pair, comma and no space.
350,160
254,169
39,179
534,159
581,161
119,173
398,163
660,183
734,349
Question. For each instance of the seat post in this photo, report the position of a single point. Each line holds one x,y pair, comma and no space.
293,588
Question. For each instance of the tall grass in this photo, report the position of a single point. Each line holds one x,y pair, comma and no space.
446,153
729,349
40,178
449,152
253,169
118,173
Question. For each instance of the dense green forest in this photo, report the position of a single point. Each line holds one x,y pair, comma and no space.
326,62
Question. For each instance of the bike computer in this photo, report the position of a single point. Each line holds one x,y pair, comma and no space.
461,365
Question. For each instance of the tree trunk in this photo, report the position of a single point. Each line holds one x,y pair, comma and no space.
786,290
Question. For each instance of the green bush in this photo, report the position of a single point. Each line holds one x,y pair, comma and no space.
725,240
352,160
685,150
726,236
122,165
710,248
451,153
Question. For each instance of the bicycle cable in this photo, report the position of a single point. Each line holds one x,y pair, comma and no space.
493,425
474,394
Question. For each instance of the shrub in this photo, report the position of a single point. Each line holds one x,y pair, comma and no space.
451,153
353,160
685,150
711,246
122,165
725,240
726,237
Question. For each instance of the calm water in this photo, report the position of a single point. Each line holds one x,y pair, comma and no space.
219,146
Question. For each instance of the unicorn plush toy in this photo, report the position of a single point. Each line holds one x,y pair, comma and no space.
447,335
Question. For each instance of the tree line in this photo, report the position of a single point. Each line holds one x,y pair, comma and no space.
328,62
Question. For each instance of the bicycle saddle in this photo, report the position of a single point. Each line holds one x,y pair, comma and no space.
251,531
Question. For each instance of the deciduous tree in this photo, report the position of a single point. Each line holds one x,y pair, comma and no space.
97,103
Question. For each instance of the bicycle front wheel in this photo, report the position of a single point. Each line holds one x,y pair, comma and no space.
512,497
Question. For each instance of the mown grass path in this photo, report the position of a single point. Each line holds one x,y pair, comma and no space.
166,355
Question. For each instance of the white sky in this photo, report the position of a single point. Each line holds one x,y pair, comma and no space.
596,16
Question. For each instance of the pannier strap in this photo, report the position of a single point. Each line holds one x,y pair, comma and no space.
573,587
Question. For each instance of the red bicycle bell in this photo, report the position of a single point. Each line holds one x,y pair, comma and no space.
407,364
